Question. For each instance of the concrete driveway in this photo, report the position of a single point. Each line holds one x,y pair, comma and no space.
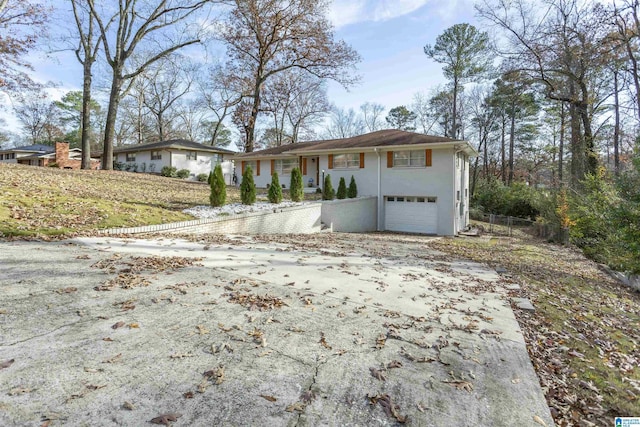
109,331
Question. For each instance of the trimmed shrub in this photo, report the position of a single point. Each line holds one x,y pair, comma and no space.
275,191
295,188
183,173
248,187
218,195
328,193
342,189
169,171
352,192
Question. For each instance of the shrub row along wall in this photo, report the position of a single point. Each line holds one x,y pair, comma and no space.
349,215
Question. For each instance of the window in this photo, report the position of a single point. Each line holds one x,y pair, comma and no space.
131,157
156,155
10,156
346,161
1,156
216,158
413,158
254,164
431,199
285,166
192,155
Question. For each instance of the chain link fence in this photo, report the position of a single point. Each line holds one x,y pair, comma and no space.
508,225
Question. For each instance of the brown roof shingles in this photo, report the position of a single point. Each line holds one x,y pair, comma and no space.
381,138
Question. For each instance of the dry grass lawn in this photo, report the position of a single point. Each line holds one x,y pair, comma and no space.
47,201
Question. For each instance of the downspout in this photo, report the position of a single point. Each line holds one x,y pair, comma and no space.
457,183
379,213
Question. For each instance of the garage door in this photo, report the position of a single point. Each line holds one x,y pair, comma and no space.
415,214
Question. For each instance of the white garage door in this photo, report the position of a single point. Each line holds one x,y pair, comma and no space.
416,214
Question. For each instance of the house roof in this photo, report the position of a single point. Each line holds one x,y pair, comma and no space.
36,148
381,138
183,144
279,151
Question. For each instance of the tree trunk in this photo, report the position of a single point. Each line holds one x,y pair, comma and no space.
455,108
512,140
86,115
561,145
616,129
577,146
255,109
110,126
503,140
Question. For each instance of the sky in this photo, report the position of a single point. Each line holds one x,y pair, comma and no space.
389,35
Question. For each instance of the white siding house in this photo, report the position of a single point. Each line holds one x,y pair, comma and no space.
421,181
178,153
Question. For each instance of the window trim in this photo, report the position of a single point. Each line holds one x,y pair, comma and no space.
157,156
350,163
412,155
130,157
278,166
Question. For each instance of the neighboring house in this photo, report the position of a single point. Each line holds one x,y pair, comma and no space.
179,153
45,155
421,181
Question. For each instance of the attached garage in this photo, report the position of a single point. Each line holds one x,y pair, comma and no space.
411,214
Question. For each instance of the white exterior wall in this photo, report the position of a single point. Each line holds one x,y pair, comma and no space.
359,215
202,164
433,181
178,159
462,185
366,178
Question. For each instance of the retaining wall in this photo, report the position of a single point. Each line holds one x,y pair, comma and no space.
351,215
303,219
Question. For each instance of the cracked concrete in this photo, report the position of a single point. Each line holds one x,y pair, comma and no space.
299,337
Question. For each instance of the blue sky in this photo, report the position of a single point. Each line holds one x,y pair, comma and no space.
388,34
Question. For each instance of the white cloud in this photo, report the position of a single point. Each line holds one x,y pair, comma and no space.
345,12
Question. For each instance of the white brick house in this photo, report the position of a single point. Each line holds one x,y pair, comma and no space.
421,182
179,153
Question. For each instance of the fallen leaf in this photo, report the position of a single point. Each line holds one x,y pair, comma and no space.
128,406
165,419
267,397
323,341
20,390
394,364
390,408
297,406
6,363
118,325
378,374
133,325
114,359
108,339
539,420
188,395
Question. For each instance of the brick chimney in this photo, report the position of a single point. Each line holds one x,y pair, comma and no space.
62,153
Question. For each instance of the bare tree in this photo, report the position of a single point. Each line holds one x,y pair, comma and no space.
136,22
165,83
37,114
87,53
219,92
267,37
343,124
421,106
21,22
372,116
295,100
558,46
